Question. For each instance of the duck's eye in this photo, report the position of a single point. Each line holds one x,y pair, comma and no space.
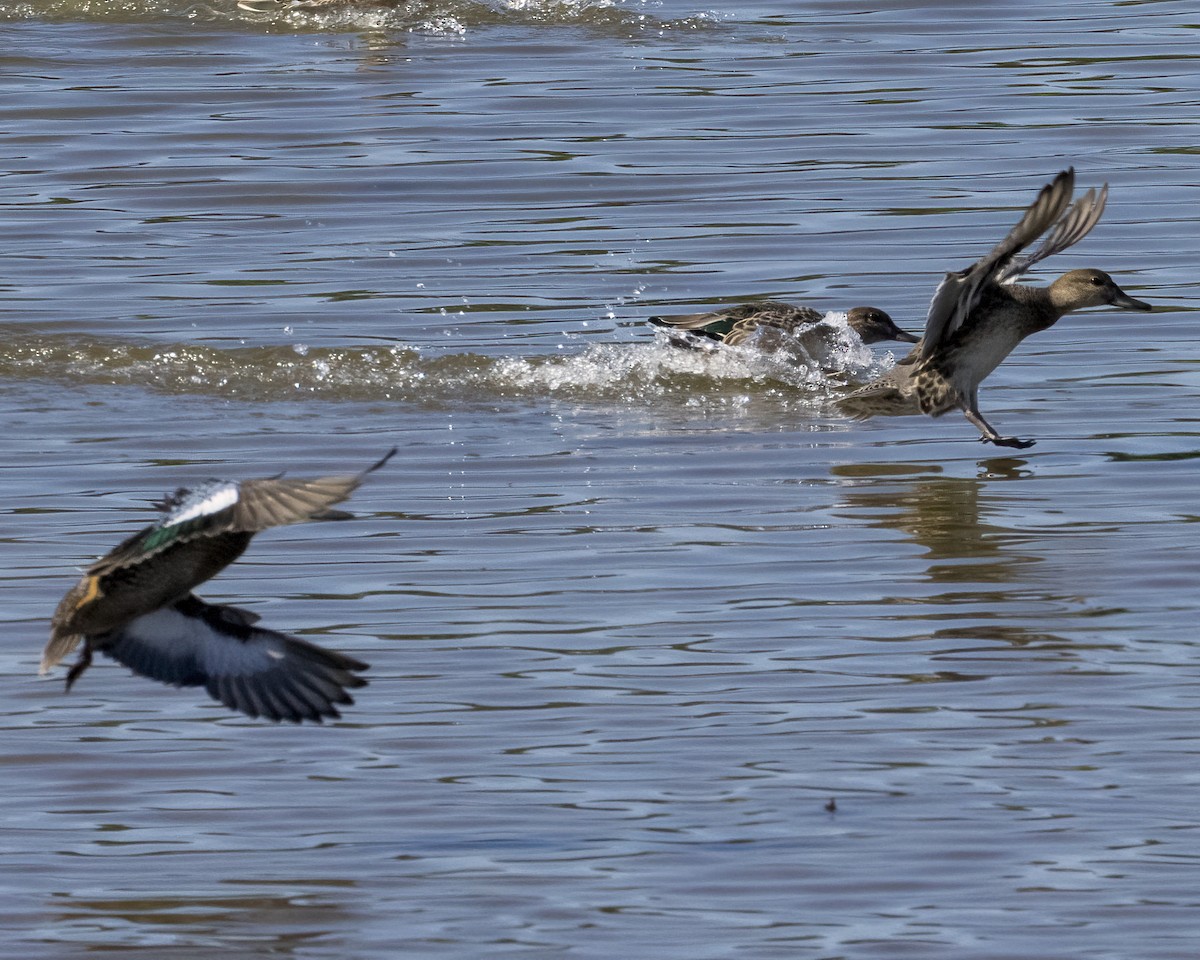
1095,281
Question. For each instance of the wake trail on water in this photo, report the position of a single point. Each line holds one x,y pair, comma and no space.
647,370
621,18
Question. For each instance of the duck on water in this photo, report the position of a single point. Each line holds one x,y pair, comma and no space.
979,315
736,325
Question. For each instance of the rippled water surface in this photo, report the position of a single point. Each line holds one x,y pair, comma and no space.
636,615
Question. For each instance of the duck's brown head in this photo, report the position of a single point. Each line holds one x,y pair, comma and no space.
874,326
1090,288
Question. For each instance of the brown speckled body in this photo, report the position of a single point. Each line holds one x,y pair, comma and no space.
735,325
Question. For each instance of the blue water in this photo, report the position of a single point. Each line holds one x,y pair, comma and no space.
635,615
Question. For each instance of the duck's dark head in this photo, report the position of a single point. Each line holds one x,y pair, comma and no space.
1090,288
874,326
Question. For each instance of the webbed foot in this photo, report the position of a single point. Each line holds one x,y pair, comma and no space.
1015,442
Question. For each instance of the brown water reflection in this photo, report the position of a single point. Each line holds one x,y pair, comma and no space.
989,569
261,924
952,518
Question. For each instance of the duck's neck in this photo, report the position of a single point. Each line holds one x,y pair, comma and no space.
1045,306
1065,295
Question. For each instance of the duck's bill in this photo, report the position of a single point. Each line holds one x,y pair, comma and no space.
905,337
1125,300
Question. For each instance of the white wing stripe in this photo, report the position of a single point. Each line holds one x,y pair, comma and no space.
221,498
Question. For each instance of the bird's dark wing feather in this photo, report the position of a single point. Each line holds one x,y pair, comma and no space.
259,672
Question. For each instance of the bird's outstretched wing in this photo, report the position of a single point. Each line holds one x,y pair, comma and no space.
258,672
1072,227
958,294
219,507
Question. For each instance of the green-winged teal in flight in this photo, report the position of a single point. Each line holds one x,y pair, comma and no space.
136,604
979,315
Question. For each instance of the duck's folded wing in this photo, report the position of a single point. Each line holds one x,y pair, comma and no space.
685,321
720,325
734,325
258,672
958,294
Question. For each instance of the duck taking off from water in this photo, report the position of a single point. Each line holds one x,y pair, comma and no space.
136,604
735,325
979,315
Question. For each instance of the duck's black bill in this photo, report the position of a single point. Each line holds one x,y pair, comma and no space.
1125,300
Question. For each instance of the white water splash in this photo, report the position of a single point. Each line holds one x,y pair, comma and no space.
650,370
